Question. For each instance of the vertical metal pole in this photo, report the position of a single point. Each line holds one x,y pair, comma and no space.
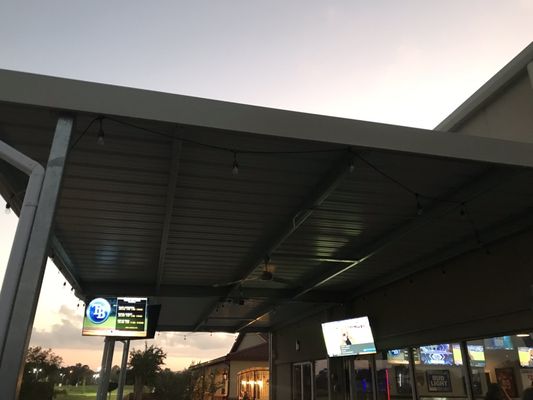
374,373
18,253
123,366
105,372
271,367
414,389
27,296
467,370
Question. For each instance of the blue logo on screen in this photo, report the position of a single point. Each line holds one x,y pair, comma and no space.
98,311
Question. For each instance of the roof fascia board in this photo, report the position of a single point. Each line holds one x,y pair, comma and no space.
66,94
491,88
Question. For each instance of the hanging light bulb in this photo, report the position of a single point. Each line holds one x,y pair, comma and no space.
235,169
100,138
351,167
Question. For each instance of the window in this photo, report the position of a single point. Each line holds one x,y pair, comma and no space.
393,375
321,380
302,381
439,372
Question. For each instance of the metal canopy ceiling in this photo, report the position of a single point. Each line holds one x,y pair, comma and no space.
155,212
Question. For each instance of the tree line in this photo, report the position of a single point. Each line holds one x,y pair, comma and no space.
45,377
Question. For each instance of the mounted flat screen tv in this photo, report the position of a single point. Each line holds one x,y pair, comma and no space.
499,343
525,356
348,337
401,356
438,354
476,354
116,316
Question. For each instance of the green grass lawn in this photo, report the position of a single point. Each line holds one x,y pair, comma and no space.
86,392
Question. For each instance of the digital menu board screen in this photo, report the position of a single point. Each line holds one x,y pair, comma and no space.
116,316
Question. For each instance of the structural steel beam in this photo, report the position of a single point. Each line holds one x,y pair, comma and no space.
314,199
189,291
60,93
207,328
465,244
22,234
171,192
58,255
438,209
27,296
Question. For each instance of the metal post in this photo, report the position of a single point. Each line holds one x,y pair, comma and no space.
22,234
123,365
374,373
271,367
414,389
467,370
105,371
27,296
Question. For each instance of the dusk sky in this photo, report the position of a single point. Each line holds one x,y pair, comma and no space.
400,62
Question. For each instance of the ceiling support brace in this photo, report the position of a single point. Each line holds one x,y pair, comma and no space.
314,199
22,234
171,192
439,208
29,287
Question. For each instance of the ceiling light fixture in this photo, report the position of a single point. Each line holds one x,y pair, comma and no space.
100,138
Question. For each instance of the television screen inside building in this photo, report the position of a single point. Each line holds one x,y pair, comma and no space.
499,343
401,356
476,354
439,354
525,356
116,316
348,337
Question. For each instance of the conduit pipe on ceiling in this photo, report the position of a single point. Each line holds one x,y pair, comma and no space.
35,171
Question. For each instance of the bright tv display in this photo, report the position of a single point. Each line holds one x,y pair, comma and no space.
499,343
476,354
525,356
116,316
348,337
401,356
438,354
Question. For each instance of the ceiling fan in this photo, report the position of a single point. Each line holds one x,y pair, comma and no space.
266,276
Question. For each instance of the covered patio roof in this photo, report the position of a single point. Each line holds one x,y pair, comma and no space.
330,207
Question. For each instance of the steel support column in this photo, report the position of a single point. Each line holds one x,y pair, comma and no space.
105,371
467,370
22,234
29,287
412,377
271,367
123,366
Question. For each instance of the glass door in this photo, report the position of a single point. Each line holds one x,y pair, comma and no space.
302,381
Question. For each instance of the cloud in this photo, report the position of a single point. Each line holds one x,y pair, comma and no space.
66,340
66,334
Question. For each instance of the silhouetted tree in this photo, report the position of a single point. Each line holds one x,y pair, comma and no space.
40,373
145,365
41,365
